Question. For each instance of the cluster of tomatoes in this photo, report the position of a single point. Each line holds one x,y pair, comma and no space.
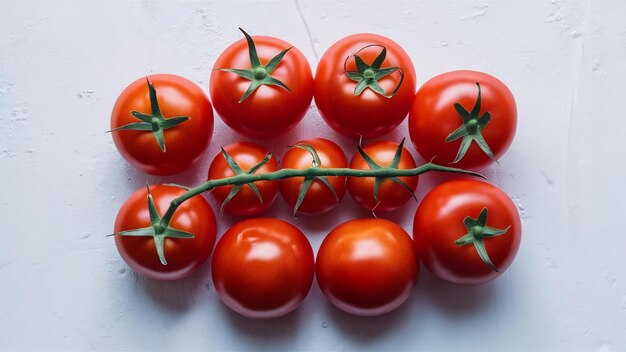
465,231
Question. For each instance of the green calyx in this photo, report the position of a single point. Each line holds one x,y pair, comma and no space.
470,129
155,122
239,172
367,76
477,231
159,230
392,166
308,180
258,74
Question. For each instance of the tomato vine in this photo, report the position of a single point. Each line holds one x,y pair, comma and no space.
160,225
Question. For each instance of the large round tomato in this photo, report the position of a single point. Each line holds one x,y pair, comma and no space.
149,128
467,231
270,110
367,266
347,78
391,195
263,267
319,198
463,117
183,255
246,201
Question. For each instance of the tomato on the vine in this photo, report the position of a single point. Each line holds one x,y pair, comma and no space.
367,266
364,85
467,231
467,118
162,123
319,197
392,193
263,267
170,254
245,157
261,86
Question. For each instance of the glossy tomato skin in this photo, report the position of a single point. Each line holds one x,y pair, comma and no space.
367,267
391,195
368,114
438,223
185,143
319,198
183,255
263,268
271,110
246,202
433,117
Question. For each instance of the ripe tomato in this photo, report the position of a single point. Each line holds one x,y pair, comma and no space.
246,201
183,254
263,267
391,195
374,106
149,128
319,198
367,266
463,117
274,107
455,209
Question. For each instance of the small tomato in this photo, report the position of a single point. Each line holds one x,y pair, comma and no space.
263,268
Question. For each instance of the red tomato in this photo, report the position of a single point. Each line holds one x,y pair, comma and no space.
391,195
263,267
183,143
438,111
271,110
367,266
245,202
442,218
368,114
318,198
183,254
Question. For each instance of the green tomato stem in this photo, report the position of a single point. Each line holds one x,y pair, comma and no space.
310,172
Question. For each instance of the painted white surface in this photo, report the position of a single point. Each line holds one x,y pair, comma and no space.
63,285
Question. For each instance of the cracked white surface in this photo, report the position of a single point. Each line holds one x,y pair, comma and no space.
64,286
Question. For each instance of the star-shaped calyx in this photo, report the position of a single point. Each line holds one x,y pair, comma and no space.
308,180
239,171
155,122
159,229
258,74
393,165
367,76
477,231
470,129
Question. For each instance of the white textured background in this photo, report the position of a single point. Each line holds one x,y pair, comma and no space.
63,285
